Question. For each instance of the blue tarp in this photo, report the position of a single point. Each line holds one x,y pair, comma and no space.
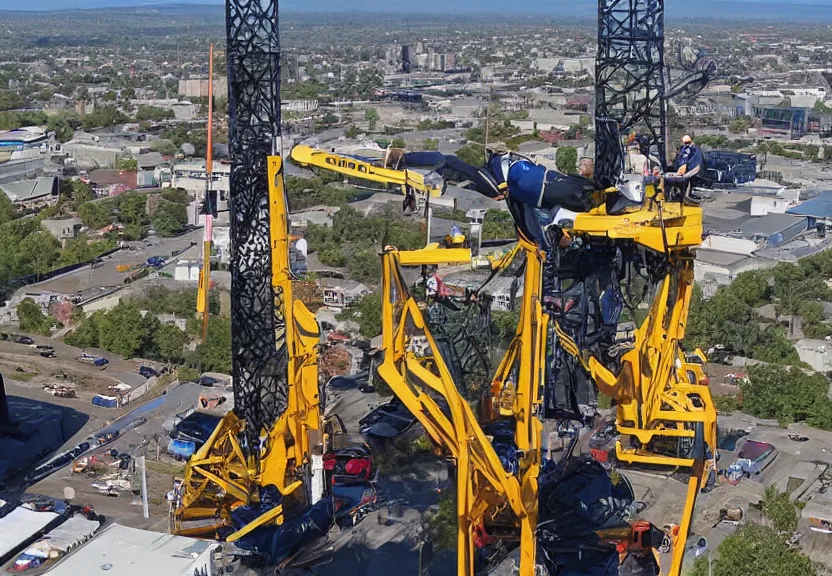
105,401
276,543
818,207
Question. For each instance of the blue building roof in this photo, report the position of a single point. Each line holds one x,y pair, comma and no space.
818,207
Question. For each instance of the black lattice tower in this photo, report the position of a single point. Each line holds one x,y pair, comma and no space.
259,355
629,81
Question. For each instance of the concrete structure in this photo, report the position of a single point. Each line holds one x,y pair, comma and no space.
63,229
191,177
182,109
338,294
779,204
187,271
21,168
714,268
43,189
133,552
299,105
730,245
816,353
321,216
197,87
23,138
92,154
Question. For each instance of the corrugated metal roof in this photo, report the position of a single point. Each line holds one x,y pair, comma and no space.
819,207
27,190
124,551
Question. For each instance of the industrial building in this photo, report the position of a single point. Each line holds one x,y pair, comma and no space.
133,552
31,137
29,192
191,177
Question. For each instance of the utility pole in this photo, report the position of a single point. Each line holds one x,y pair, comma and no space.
145,511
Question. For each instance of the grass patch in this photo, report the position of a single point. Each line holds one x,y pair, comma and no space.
22,376
793,484
165,468
402,453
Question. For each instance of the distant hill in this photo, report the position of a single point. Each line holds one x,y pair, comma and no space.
775,10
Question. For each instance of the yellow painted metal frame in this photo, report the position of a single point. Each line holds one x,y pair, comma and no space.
219,476
355,168
653,396
484,488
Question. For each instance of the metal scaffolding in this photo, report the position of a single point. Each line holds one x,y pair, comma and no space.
629,81
259,355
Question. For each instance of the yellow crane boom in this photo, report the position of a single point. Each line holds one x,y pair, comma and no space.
379,173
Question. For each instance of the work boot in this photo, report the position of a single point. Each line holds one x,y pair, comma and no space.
691,198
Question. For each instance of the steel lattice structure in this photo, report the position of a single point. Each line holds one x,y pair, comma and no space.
629,81
259,355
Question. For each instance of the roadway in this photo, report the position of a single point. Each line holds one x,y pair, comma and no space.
91,281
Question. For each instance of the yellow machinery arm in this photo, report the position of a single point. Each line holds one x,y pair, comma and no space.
655,401
218,477
415,370
363,170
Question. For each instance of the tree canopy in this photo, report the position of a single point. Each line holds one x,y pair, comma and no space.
355,241
755,550
366,313
32,319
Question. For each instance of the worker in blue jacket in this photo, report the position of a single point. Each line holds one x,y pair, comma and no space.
535,185
688,164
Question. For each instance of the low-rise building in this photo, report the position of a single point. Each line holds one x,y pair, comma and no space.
35,191
340,293
133,552
63,229
191,177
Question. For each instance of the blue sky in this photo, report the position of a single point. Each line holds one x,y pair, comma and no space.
538,6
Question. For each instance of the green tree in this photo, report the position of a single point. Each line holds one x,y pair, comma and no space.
811,152
123,330
372,117
168,218
498,225
214,354
755,550
63,130
398,143
566,159
81,192
133,208
86,335
94,215
39,251
127,164
170,343
472,154
430,144
32,319
177,195
366,313
780,510
164,147
7,210
752,287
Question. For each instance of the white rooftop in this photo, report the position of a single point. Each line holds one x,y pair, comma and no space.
122,551
19,525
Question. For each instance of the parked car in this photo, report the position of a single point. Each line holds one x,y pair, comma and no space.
156,261
147,371
98,361
24,340
196,427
